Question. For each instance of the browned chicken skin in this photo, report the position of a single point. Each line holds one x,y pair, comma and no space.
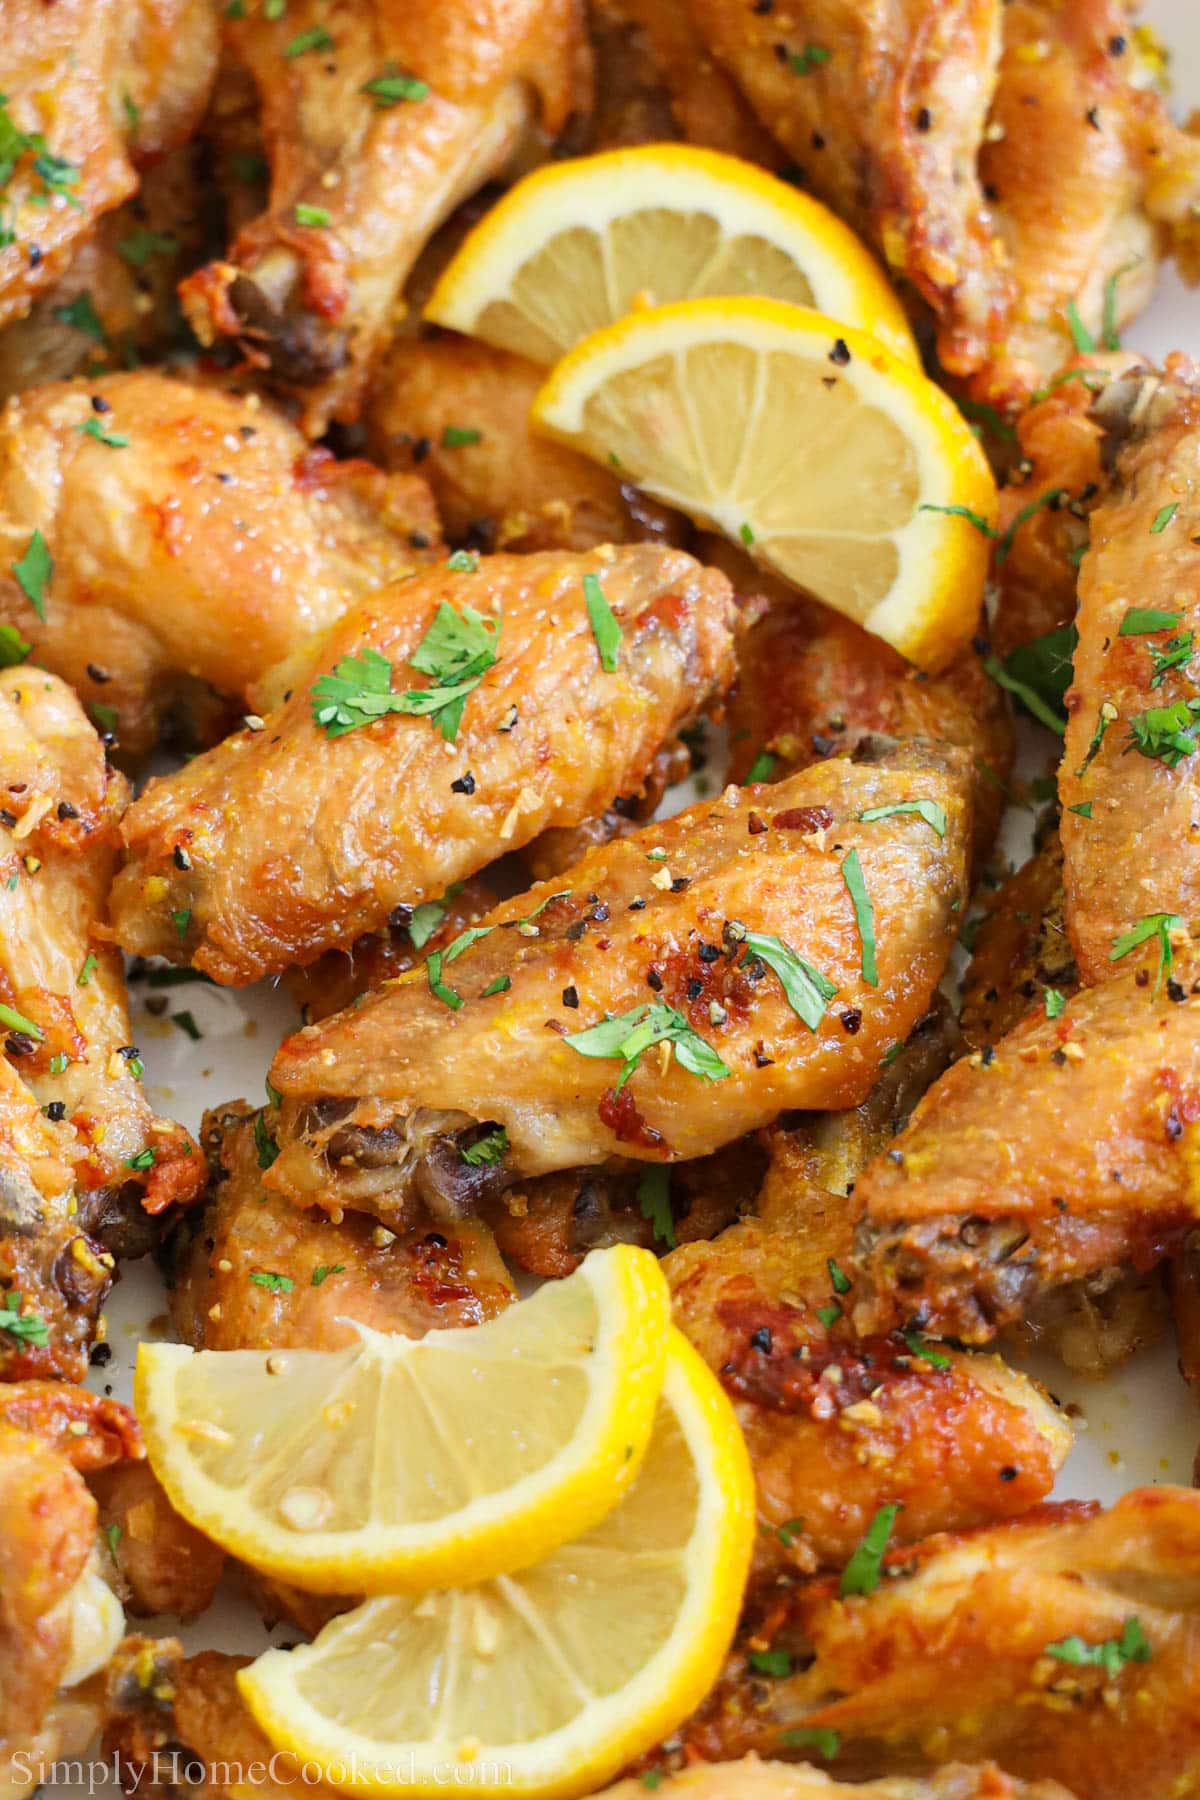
199,552
751,1779
360,181
1021,950
375,1099
104,84
286,849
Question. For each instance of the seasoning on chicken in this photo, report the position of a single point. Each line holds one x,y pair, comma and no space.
589,1020
551,682
1062,1153
1131,845
377,120
1021,953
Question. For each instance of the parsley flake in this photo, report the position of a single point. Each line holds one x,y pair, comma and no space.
808,991
962,512
457,437
145,1159
323,1271
841,1281
87,969
455,652
275,1284
501,985
864,915
630,1034
447,995
654,1203
393,86
186,1022
1139,620
490,1149
316,39
1044,668
16,1021
33,573
81,315
1163,517
1154,925
317,216
1104,719
933,814
605,628
112,440
917,1346
463,562
789,1531
13,648
1055,1001
824,1741
1132,1646
770,1662
803,62
861,1574
27,1328
1175,654
265,1145
763,767
1166,734
112,1537
424,922
1083,808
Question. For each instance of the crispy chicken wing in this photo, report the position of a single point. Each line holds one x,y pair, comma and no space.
158,1562
58,850
91,88
377,120
1063,1153
354,1269
1130,750
275,846
1021,950
201,550
751,1779
1063,1644
676,932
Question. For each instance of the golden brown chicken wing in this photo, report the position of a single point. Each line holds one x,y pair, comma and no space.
91,87
63,985
175,534
1131,839
588,1020
1021,951
1062,1644
751,1779
377,119
275,846
1062,1153
157,1562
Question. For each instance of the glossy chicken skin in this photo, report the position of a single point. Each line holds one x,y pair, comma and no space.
1067,1151
510,490
1138,850
360,182
837,1426
58,850
198,553
353,1269
751,1779
947,1659
106,83
376,1099
276,845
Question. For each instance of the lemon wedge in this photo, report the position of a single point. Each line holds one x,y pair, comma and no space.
837,465
549,1681
404,1462
578,244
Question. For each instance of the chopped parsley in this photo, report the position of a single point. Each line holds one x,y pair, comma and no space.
393,86
770,1662
145,1159
501,985
763,766
829,1315
141,245
1139,620
789,1531
457,437
425,920
1163,517
841,1281
1039,674
1175,654
56,174
605,629
27,1328
112,440
825,1742
58,1062
989,418
1104,719
112,1537
654,1203
918,1346
81,315
803,62
1166,734
438,988
746,533
456,652
16,1021
808,991
13,648
275,1284
933,814
323,1271
265,1145
463,562
1081,337
87,969
1083,808
491,1149
316,39
1110,337
1132,1646
317,216
630,1034
861,1574
181,920
864,915
1055,1001
962,512
33,573
1154,925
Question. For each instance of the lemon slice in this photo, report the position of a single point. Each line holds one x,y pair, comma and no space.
404,1462
838,466
546,1682
581,243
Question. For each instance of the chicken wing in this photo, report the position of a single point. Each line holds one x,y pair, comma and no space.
377,120
157,1562
189,537
688,937
275,846
1061,1154
63,986
91,87
1131,845
1063,1644
1021,950
327,1273
751,1779
838,1426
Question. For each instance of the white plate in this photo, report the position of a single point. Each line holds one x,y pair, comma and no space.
1141,1426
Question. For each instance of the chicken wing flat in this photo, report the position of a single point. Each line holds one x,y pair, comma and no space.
993,1644
504,488
751,1779
662,963
91,87
324,1273
69,1035
1061,1154
1021,950
1129,759
377,120
191,536
275,846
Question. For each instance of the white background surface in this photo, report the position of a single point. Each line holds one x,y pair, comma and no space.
1142,1426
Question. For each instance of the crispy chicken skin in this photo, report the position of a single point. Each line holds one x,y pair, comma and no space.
1067,1151
1021,950
837,1426
292,841
510,490
812,683
157,1562
375,1098
351,1269
751,1779
106,83
946,1660
201,551
58,849
359,184
1138,852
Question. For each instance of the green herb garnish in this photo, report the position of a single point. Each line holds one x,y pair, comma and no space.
605,629
33,573
861,1574
808,991
864,915
630,1034
654,1203
933,814
489,1150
